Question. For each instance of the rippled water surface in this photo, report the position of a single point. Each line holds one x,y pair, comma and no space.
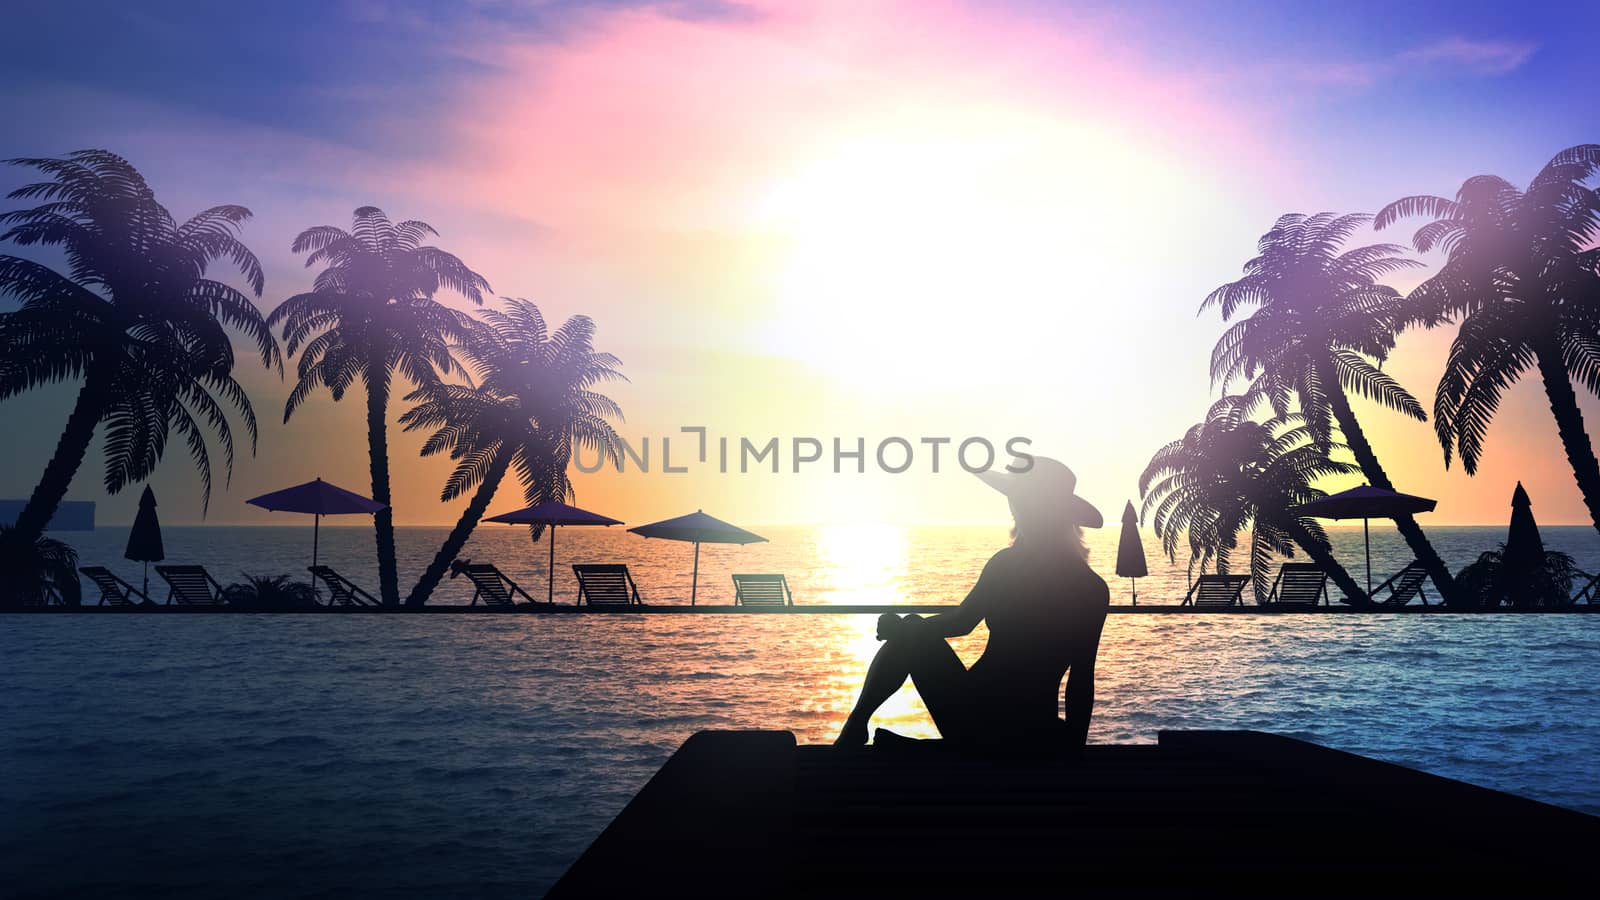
443,755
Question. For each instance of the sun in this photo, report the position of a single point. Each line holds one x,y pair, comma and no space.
954,248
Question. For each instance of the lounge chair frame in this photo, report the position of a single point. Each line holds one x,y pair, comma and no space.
606,585
1589,594
761,590
1299,586
191,586
1403,585
341,590
1216,591
112,588
494,587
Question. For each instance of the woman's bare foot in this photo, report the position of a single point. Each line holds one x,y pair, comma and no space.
854,734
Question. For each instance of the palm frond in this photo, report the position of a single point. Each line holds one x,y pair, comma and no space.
1416,206
1360,377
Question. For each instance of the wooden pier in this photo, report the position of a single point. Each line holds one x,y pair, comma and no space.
750,814
814,609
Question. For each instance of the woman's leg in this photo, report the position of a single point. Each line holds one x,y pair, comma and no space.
926,659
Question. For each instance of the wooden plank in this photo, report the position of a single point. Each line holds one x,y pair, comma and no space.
698,837
749,814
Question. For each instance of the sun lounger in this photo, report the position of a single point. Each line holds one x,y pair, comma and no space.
191,586
761,590
113,590
606,585
1403,586
341,590
1215,591
493,587
1299,586
1589,594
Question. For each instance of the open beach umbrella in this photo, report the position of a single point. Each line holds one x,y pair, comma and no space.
700,529
1365,502
554,515
1130,551
144,538
316,498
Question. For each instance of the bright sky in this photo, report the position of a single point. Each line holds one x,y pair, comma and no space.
832,220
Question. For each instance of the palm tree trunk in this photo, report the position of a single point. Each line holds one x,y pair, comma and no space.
63,465
1569,422
458,535
378,451
1356,439
1320,555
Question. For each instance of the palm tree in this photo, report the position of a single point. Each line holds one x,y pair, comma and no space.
1229,473
1489,582
270,593
1322,325
371,313
532,404
132,315
1523,276
32,573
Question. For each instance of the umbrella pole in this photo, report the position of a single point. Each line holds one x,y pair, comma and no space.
550,583
147,578
694,584
1134,583
1366,538
316,535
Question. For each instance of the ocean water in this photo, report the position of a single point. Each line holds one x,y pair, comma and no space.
313,756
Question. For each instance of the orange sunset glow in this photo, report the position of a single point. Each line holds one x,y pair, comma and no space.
818,220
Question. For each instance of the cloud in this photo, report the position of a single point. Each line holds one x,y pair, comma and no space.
1450,56
1478,57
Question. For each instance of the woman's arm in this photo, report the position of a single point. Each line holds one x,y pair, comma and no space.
1080,681
959,621
966,617
1080,701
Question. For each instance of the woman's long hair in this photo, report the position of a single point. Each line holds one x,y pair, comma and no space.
1045,524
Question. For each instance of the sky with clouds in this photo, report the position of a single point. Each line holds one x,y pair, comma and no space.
834,219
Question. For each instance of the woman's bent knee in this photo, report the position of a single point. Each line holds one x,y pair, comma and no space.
906,629
899,629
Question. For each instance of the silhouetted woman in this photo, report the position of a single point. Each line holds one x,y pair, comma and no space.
1044,607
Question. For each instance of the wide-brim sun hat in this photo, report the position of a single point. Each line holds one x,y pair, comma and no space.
1046,481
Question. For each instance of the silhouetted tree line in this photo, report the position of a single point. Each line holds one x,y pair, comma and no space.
1521,284
133,319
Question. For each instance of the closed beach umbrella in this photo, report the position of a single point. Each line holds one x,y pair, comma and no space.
144,538
699,528
1130,551
554,515
1364,503
316,498
1524,552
